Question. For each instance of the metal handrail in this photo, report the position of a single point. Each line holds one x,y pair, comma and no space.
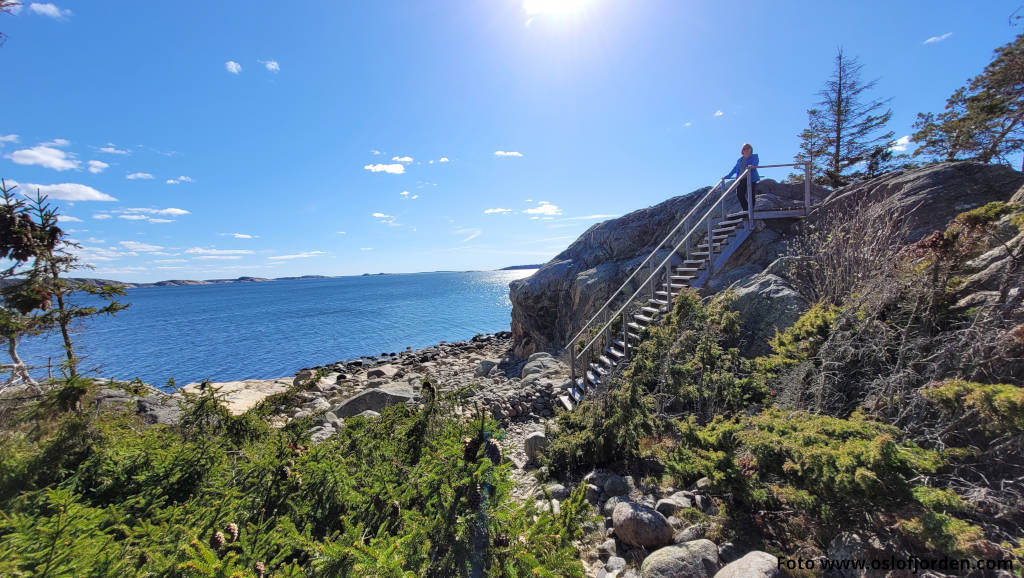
641,265
657,270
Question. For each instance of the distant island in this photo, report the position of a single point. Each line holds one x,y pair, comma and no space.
517,267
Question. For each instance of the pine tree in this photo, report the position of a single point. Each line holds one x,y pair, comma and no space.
843,130
984,120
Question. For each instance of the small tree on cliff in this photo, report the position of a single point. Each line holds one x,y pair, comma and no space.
40,255
843,130
984,120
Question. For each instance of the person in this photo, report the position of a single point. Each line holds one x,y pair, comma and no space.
747,160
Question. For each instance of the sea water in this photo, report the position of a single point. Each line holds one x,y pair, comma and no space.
262,330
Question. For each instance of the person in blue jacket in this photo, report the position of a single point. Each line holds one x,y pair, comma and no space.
748,159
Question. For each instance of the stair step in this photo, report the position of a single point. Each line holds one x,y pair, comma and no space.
567,402
738,223
723,230
598,369
636,327
687,271
616,353
733,216
633,336
643,319
658,302
699,253
703,248
651,310
682,278
619,343
679,286
698,263
663,294
576,394
607,362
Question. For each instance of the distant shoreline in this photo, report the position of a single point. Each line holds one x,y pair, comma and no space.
246,279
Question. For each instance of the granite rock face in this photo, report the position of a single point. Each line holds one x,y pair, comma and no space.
549,307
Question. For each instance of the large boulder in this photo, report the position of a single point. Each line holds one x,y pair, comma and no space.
697,559
766,304
640,526
150,404
756,564
375,399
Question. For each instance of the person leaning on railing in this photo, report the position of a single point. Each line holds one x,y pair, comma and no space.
747,160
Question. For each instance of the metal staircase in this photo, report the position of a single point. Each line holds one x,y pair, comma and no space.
700,244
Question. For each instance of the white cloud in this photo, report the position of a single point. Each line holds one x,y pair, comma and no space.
405,159
181,179
935,39
545,208
688,124
270,65
443,160
49,9
507,154
375,152
217,257
45,156
202,251
57,142
719,113
10,138
382,216
232,67
112,149
242,236
901,144
498,210
169,211
140,247
406,195
133,217
169,261
101,216
392,169
65,191
470,234
366,248
68,219
305,255
96,167
161,220
135,176
342,233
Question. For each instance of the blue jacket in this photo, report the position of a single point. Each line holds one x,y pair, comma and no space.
752,161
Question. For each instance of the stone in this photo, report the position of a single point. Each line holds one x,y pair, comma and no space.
641,526
557,491
615,564
318,404
241,396
150,404
756,564
728,552
615,485
543,366
593,493
691,533
704,504
766,304
607,548
375,399
368,414
535,445
669,507
848,546
697,559
703,484
384,371
302,377
485,367
609,505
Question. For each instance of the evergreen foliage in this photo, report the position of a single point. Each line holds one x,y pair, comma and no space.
85,493
982,121
844,129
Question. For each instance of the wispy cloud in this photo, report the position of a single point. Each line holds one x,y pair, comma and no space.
366,248
64,191
443,160
407,195
375,152
243,236
470,234
102,216
68,219
10,138
687,124
96,167
217,257
392,169
719,113
169,261
49,9
140,247
386,219
112,149
305,255
133,217
508,154
57,142
168,211
497,210
203,251
544,208
271,65
405,159
136,176
232,67
935,39
181,179
45,156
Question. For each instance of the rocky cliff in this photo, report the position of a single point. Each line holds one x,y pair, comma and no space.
549,306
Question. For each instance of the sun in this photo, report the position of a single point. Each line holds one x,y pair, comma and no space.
553,7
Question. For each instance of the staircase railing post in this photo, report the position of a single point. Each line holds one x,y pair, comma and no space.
711,252
572,361
750,201
625,337
807,189
668,280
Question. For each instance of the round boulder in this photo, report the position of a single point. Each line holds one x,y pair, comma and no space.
756,564
697,559
641,526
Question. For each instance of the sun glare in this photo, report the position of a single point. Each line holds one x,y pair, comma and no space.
553,7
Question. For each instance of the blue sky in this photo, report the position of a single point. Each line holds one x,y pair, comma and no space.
217,139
